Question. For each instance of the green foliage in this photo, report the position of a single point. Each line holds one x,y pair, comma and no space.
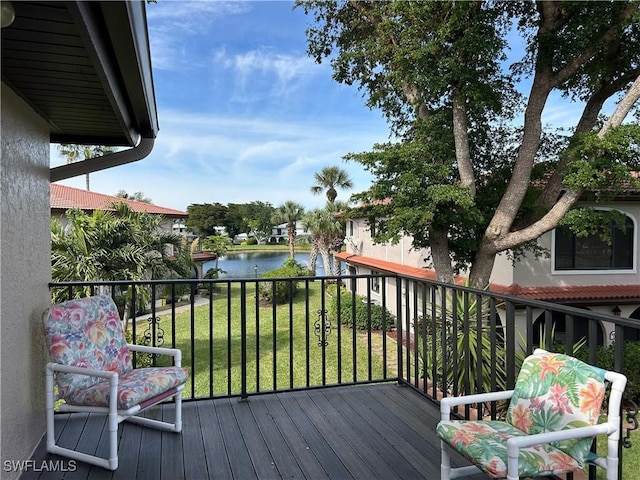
290,213
365,313
458,323
217,244
605,358
113,245
251,241
330,178
440,73
282,291
213,273
204,217
584,222
142,360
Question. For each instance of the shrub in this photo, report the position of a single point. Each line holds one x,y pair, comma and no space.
284,289
605,359
251,241
142,360
378,315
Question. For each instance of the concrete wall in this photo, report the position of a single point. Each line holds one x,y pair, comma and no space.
25,270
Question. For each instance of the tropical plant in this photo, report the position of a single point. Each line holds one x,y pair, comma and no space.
217,245
449,341
76,153
471,171
290,213
281,291
137,196
114,245
330,178
326,228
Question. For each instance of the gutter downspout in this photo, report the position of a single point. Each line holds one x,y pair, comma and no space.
91,165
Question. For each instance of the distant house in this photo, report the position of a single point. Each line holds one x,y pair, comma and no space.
64,198
280,233
580,272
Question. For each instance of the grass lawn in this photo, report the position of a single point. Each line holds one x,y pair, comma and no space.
280,345
630,456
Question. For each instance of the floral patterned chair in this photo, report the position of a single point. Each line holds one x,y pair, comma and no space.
549,427
91,366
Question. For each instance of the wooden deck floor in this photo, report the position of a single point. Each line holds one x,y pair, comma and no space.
360,432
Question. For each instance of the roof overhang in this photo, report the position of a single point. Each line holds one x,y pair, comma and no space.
85,67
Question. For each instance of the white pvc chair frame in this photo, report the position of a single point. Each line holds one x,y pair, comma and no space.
115,416
611,428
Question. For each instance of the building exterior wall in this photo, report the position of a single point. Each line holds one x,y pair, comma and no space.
25,271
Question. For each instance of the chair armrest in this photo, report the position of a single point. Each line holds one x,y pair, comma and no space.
514,444
172,352
446,404
58,367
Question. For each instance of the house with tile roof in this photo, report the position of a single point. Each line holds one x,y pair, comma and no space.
64,198
580,272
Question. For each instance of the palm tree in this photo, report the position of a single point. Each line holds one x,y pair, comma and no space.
330,178
77,153
327,233
114,245
316,222
290,213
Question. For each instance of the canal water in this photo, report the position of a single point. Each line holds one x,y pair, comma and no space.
252,264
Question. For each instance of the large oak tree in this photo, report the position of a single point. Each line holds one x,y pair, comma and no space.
472,171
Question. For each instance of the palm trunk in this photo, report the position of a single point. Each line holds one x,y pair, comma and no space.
313,259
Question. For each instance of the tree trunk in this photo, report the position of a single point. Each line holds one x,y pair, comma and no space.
326,260
440,255
292,241
313,259
461,138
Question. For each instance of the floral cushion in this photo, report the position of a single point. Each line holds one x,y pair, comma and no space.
553,392
134,387
557,392
485,445
86,332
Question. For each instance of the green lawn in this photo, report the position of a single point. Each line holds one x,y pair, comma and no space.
275,358
630,456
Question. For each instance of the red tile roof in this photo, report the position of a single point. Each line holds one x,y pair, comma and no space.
559,294
63,198
566,293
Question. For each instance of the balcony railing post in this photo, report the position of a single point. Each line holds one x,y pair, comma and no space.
243,339
399,326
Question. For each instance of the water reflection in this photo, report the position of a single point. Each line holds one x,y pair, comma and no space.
252,264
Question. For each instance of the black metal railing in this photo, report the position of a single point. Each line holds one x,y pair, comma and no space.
242,337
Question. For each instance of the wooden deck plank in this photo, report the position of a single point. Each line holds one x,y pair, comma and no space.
353,451
195,464
283,457
314,440
257,449
297,444
214,448
239,458
368,426
362,432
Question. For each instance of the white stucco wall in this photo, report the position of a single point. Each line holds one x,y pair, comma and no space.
25,270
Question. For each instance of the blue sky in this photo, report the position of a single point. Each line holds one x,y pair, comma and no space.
244,113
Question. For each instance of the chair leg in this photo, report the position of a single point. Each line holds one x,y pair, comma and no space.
445,461
178,407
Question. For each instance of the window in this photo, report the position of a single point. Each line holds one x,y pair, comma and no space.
375,282
592,253
351,228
